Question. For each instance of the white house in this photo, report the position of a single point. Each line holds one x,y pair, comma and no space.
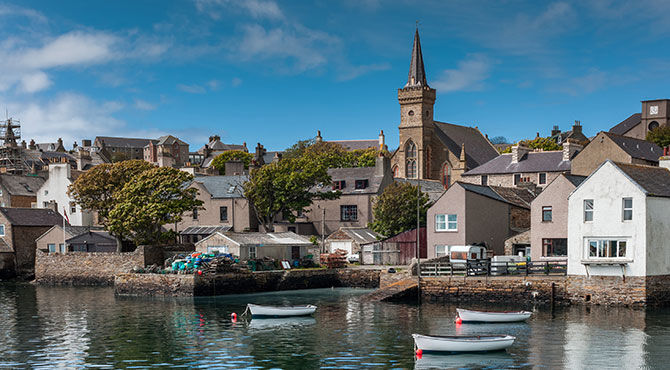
619,222
53,194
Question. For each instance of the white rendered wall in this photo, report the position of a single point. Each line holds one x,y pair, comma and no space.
56,190
607,186
658,236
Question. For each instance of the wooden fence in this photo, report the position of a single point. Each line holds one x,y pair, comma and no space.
494,268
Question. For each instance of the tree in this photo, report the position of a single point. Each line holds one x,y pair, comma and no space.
287,187
395,209
219,162
543,143
95,189
156,197
333,155
499,140
660,136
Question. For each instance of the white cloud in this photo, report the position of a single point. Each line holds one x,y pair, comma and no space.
32,82
144,105
470,75
213,84
236,81
191,89
74,48
592,81
256,8
11,10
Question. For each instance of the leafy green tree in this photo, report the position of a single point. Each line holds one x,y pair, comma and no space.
660,136
395,209
95,189
154,198
543,143
333,155
219,162
287,187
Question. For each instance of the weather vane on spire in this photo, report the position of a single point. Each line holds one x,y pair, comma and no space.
417,23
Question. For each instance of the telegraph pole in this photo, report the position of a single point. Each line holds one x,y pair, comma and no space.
418,241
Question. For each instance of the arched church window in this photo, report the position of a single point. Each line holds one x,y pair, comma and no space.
410,156
653,125
395,171
446,175
411,168
410,150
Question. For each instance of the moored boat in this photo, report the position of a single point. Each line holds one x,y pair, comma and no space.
484,316
280,311
462,343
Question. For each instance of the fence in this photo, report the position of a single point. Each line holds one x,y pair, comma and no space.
495,268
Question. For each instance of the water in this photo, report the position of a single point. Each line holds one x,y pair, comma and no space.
90,327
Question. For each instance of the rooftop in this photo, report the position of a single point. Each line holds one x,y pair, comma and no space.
655,181
550,161
21,185
255,238
223,186
478,149
124,142
627,124
31,216
637,148
519,197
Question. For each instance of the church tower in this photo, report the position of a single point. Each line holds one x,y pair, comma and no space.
416,128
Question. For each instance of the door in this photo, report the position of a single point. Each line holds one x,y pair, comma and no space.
295,253
340,245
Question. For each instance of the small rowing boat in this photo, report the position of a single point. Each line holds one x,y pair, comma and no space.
462,343
280,311
483,316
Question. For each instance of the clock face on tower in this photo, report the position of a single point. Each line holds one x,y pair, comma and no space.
653,109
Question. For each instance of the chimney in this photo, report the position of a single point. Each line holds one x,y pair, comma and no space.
381,140
577,127
86,142
32,145
234,168
531,186
518,151
555,131
318,137
382,165
23,144
570,147
244,145
74,146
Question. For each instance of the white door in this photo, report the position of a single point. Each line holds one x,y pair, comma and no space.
340,245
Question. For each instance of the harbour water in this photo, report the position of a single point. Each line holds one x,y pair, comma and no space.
59,327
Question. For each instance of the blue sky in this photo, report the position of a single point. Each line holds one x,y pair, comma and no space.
277,71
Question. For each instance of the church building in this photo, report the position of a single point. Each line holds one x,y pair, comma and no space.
428,149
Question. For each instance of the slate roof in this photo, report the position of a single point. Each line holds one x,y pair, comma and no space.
21,185
287,238
516,196
216,144
356,144
90,236
637,148
627,124
350,175
478,149
46,147
124,142
169,140
417,72
31,216
551,161
360,235
574,179
654,180
268,157
204,230
433,188
223,186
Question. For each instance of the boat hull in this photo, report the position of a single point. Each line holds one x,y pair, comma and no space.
280,311
484,343
481,316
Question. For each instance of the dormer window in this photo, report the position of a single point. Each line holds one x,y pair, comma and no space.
361,184
339,185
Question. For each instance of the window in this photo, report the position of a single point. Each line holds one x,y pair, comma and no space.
546,214
217,249
627,209
446,222
46,192
395,171
252,252
606,248
653,125
73,207
543,179
2,230
485,180
410,156
52,248
61,248
349,213
588,210
411,169
446,175
361,184
195,213
223,213
441,250
554,247
339,184
517,178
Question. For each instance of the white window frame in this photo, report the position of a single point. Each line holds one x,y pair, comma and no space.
441,250
2,229
453,222
602,250
446,222
441,222
588,211
51,247
253,253
61,248
624,209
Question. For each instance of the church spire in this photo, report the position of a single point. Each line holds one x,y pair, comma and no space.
417,73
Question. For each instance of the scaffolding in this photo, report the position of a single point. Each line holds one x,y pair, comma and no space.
11,153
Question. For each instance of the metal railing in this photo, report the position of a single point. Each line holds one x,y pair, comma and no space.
494,268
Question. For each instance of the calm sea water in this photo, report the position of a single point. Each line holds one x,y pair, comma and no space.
90,327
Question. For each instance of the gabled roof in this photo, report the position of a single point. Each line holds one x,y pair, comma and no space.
360,235
433,188
637,148
287,238
519,197
32,216
223,186
97,237
21,185
124,142
627,124
169,140
204,230
574,179
655,181
551,161
478,149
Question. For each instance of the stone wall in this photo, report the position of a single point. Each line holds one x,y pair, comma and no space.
615,290
154,285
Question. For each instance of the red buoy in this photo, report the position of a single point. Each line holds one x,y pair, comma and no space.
459,321
199,272
419,353
233,317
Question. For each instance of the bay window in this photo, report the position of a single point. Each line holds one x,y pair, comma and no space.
606,248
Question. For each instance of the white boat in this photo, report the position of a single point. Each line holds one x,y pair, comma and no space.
483,316
283,323
465,360
280,311
462,343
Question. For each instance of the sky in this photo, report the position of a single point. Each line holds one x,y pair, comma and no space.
275,72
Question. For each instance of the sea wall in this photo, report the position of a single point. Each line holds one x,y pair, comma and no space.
238,283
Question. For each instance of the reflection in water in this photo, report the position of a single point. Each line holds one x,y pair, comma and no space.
90,327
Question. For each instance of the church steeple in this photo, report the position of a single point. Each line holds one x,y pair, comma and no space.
417,73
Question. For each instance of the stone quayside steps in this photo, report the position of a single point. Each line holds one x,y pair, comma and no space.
238,283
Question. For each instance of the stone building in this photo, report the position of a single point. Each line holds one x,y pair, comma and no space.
524,166
655,113
350,239
19,228
204,156
282,246
618,148
55,239
121,148
575,134
19,190
167,151
430,149
473,214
